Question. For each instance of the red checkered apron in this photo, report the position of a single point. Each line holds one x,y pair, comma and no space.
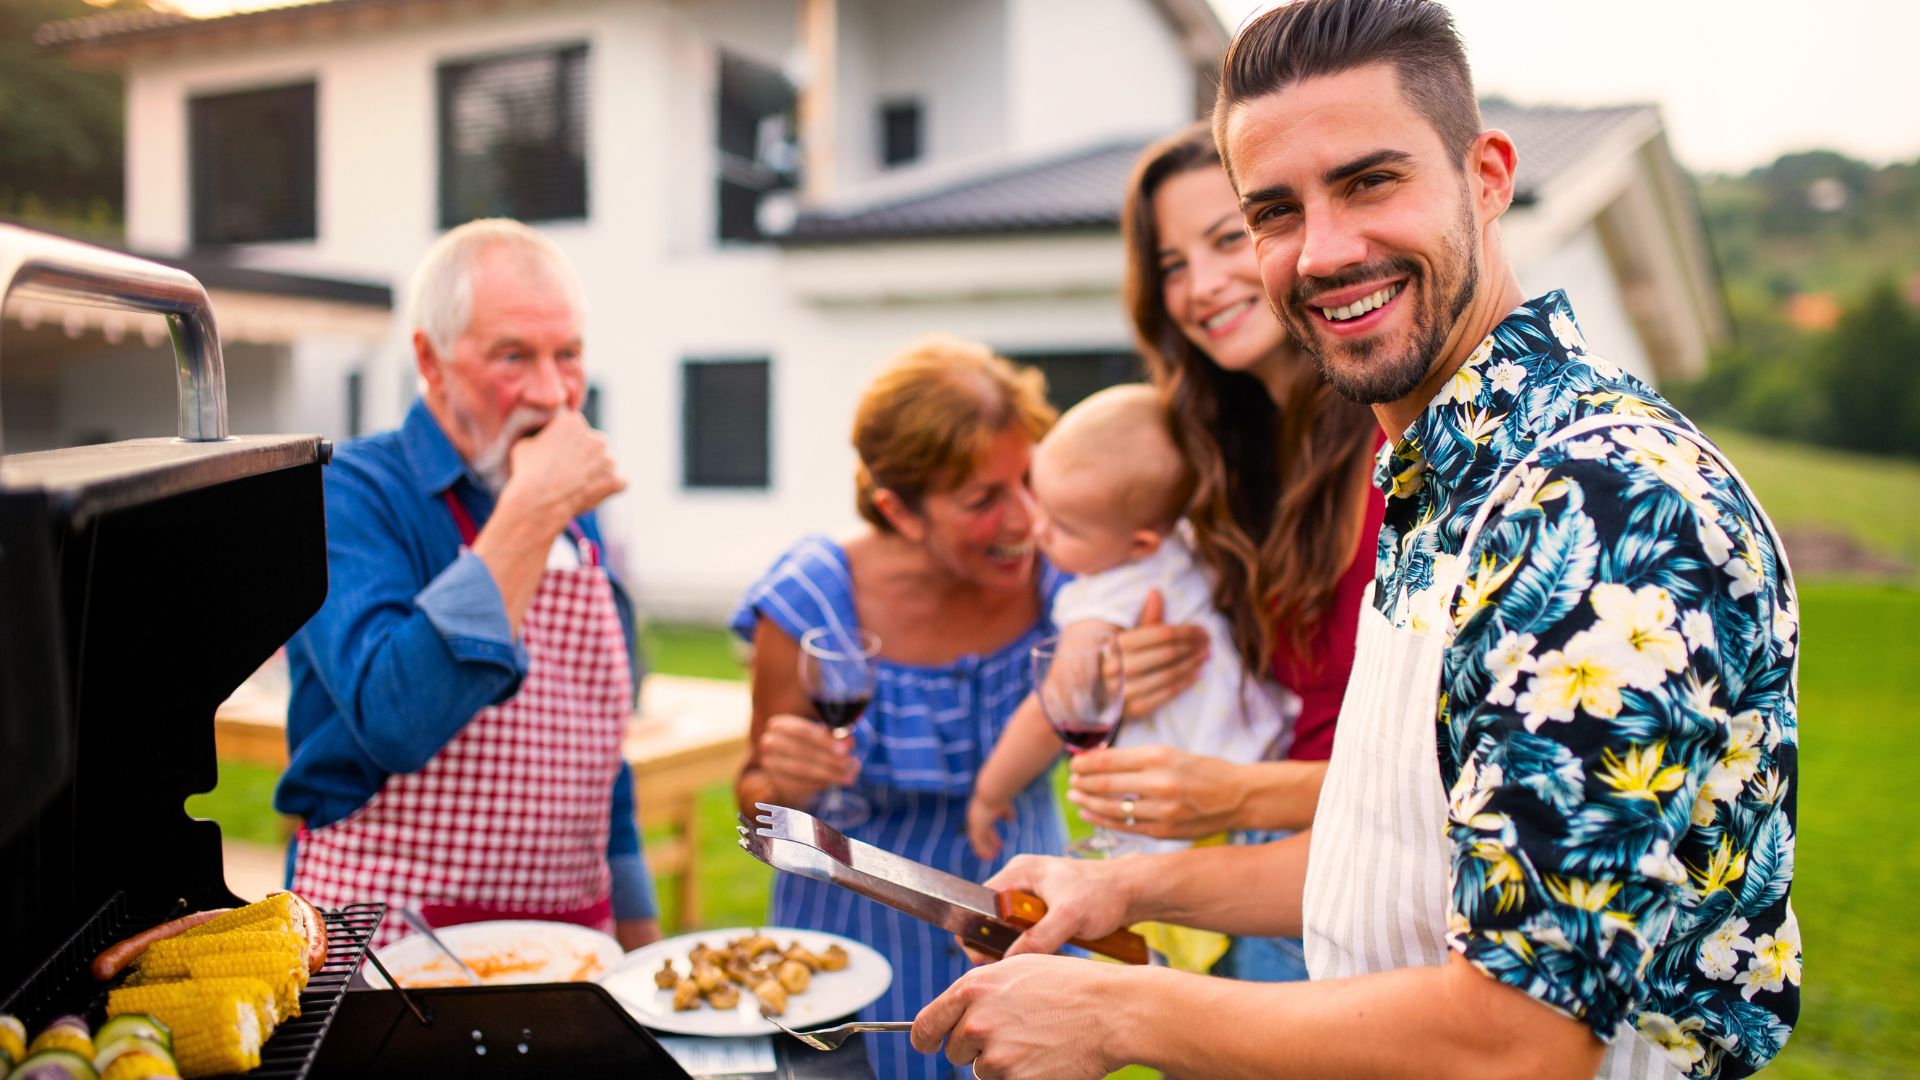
510,818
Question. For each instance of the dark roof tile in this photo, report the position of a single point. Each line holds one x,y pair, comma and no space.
1084,189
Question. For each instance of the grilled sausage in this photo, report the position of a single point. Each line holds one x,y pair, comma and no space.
115,958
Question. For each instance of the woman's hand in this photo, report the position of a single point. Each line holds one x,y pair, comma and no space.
1169,792
802,759
1160,660
982,817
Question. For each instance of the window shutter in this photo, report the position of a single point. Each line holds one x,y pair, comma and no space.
725,419
252,165
513,136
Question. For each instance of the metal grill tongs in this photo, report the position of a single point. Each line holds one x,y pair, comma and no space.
990,921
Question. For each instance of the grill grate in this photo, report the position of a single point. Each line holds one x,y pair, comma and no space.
65,985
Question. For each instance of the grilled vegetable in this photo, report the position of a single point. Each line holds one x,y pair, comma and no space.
140,1067
134,1057
666,978
794,975
773,997
285,976
13,1038
135,1026
69,1033
54,1065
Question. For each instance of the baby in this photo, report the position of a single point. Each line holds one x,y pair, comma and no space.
1111,488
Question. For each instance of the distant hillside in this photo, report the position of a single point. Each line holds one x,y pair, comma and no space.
1815,222
1820,258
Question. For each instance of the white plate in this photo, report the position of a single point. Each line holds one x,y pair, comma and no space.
502,951
830,994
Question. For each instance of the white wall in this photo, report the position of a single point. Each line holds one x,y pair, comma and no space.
658,288
1080,70
1579,265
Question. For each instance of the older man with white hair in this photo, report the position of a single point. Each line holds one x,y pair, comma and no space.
459,702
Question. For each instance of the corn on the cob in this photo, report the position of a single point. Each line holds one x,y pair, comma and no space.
165,999
171,959
285,976
276,912
218,1024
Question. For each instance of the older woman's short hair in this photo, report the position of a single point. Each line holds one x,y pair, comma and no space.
440,298
924,423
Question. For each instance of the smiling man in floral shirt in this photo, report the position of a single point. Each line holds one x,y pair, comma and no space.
1556,836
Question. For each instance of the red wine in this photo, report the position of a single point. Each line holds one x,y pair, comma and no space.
840,714
1078,739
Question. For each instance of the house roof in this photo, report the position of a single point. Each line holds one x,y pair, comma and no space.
1085,189
215,271
126,27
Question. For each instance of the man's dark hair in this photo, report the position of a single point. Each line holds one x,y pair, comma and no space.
1310,38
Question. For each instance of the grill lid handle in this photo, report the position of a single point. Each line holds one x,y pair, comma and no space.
37,266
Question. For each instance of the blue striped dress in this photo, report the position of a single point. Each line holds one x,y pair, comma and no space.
921,742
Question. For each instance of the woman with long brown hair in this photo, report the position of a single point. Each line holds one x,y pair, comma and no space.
1285,515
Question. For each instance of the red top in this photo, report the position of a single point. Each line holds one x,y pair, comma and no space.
1320,677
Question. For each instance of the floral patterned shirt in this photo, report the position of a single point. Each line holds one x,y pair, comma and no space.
1618,732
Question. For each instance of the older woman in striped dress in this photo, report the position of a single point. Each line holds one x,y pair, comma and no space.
945,573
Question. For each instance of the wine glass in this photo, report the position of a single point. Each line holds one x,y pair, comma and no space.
1077,675
837,672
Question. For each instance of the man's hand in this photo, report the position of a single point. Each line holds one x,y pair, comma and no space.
802,758
633,933
1086,898
564,469
1160,660
1174,793
1039,1016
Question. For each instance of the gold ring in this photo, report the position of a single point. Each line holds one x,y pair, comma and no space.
1126,809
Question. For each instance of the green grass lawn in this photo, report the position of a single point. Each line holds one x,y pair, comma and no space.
1876,501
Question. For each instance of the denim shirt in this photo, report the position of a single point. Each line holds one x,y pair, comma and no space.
413,640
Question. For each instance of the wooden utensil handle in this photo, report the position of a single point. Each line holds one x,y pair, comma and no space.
1023,909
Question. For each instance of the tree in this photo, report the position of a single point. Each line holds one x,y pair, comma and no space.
1870,370
61,145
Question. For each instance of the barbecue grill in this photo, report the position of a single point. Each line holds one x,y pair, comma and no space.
140,583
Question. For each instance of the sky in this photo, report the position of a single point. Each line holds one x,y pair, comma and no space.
1739,82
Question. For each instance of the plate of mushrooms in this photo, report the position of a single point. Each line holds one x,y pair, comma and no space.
725,982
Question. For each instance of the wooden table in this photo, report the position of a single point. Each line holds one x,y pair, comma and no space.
687,735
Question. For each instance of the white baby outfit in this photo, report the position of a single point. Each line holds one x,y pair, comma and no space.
1229,713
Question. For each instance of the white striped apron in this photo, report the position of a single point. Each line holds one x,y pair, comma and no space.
1379,871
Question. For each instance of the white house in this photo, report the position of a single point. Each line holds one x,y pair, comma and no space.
766,199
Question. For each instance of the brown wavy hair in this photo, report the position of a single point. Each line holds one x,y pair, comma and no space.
924,423
1274,508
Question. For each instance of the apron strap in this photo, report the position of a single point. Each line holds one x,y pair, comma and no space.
463,521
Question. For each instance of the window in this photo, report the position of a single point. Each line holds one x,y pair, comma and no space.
252,165
513,136
724,422
900,133
757,154
1072,376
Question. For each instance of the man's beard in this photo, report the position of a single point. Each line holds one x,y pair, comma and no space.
494,463
1367,374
